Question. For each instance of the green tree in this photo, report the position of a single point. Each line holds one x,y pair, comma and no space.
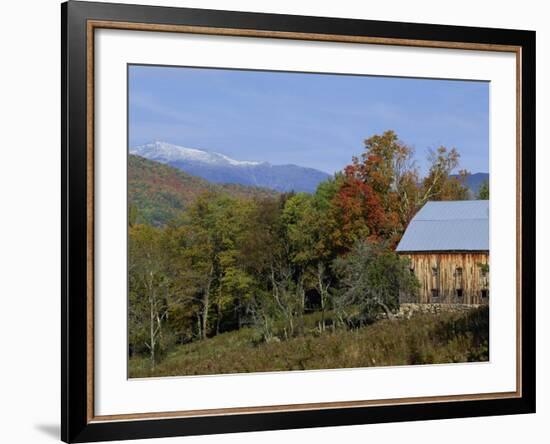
371,279
213,229
267,253
132,215
309,230
234,284
149,290
483,192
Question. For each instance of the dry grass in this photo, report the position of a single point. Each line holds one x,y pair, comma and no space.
424,339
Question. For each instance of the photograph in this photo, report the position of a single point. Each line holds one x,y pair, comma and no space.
283,221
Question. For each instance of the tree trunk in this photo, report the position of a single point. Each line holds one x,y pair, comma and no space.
152,331
389,314
320,273
323,324
206,303
199,325
238,313
205,314
152,316
218,317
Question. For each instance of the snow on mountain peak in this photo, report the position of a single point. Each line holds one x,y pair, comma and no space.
167,152
236,162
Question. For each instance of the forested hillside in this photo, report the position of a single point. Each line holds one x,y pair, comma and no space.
239,258
158,193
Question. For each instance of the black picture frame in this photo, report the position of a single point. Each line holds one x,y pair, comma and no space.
76,424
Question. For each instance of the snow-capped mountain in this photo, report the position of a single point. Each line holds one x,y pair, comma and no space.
166,152
219,168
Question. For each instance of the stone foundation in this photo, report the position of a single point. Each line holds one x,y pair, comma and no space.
406,311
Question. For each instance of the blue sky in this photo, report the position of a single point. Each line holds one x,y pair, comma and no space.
312,120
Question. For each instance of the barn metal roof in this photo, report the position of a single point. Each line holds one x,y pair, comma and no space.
448,226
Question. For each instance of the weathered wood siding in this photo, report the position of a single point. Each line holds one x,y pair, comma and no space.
455,272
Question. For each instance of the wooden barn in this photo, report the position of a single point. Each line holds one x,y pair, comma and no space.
448,245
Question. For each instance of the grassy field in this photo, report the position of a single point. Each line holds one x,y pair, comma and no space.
424,339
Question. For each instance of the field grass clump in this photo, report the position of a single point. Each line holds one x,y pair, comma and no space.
423,339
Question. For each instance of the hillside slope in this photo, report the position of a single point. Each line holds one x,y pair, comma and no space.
159,192
423,339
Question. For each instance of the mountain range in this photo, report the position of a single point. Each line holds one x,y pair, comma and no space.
219,168
215,168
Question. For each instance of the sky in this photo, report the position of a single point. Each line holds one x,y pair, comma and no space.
312,120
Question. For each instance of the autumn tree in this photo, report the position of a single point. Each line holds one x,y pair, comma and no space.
387,165
357,211
439,184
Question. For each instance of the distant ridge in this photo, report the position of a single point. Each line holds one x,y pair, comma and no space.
474,181
219,168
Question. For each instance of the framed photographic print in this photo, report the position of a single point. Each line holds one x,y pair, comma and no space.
275,221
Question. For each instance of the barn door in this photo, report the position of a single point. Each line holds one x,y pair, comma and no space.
459,284
435,294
